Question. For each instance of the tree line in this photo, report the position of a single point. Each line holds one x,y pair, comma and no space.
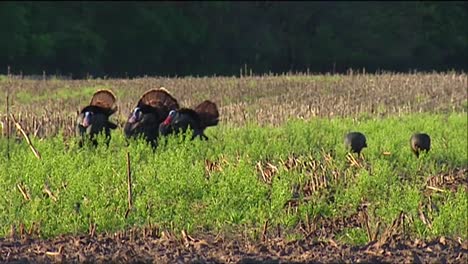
119,39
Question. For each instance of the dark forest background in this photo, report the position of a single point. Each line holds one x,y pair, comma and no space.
120,39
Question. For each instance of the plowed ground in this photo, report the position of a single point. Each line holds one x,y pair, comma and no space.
137,247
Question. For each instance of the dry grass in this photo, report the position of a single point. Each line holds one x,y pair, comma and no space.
43,107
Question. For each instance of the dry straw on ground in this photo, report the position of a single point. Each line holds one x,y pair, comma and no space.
43,107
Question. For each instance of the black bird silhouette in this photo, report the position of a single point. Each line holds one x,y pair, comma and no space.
94,118
153,106
178,121
420,142
355,141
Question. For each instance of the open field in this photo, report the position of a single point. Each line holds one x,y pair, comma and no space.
44,107
273,178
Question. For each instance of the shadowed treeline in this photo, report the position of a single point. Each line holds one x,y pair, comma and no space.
121,39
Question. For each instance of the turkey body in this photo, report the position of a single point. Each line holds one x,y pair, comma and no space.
355,141
420,142
179,121
152,108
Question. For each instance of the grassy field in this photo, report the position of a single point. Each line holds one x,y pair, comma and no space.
277,157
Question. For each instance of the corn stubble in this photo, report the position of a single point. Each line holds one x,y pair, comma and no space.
266,100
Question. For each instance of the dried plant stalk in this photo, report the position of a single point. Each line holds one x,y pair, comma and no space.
129,186
49,192
25,135
23,192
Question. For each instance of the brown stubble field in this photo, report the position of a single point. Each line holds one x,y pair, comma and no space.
43,107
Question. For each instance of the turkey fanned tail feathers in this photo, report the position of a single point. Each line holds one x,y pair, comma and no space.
104,99
159,99
208,113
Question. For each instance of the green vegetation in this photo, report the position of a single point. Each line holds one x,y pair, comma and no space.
64,93
249,183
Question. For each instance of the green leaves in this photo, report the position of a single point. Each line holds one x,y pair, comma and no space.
245,176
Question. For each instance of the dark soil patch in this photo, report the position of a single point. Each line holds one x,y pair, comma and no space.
145,247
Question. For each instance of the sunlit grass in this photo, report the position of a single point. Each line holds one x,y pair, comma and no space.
64,93
173,189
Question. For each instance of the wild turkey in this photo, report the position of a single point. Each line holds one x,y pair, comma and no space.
355,141
94,118
153,106
420,142
178,121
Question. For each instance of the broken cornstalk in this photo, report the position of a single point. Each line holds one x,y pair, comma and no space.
25,135
129,186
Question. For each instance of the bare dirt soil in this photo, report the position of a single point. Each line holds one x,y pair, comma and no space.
144,246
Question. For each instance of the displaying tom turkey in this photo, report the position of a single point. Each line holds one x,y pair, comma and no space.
94,118
179,121
152,108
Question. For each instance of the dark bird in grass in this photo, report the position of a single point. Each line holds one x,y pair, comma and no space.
178,121
152,108
94,118
355,141
420,142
